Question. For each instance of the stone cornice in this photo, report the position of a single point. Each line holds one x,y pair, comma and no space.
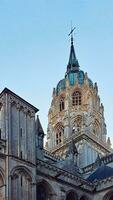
83,135
60,174
15,96
103,184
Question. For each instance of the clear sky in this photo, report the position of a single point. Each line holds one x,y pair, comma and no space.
34,48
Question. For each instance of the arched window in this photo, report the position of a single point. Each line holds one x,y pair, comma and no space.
62,104
21,178
76,98
59,130
58,137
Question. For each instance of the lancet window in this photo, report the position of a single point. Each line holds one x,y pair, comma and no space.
59,130
58,137
76,98
61,104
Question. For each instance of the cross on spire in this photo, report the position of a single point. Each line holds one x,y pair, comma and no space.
71,34
73,64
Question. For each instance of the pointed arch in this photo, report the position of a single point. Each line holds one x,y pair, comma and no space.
22,170
71,195
45,191
62,104
21,183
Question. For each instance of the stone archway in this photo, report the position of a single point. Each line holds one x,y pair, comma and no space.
108,196
44,191
71,196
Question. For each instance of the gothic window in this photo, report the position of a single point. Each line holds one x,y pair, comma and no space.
58,137
59,130
62,104
76,98
21,185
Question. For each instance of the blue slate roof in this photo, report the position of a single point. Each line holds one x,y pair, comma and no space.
101,173
72,77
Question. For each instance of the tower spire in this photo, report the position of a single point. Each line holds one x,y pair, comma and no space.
73,64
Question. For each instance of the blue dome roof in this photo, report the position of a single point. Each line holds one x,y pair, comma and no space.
101,173
72,77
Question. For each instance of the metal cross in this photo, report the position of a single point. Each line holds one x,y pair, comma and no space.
72,30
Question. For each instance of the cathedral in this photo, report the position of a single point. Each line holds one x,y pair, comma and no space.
76,162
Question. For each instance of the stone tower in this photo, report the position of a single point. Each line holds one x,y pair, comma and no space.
76,113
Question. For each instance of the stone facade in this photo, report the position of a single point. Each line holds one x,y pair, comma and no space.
77,162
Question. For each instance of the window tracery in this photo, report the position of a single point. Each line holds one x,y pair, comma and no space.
76,98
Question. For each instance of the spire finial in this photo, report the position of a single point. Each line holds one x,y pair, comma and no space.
71,34
73,65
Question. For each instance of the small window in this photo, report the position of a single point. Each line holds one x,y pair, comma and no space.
76,98
62,105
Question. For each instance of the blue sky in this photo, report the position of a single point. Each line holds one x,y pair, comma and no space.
34,48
